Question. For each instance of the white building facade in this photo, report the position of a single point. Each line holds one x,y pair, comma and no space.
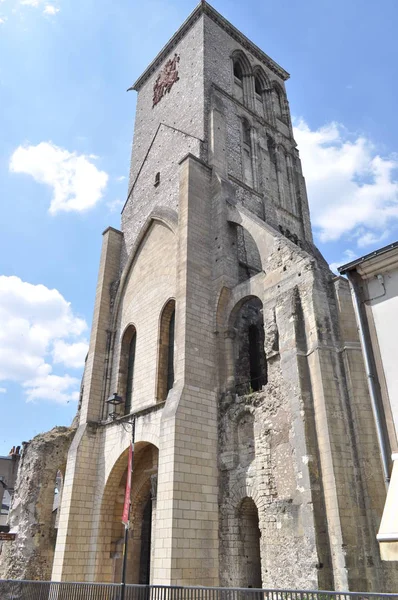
374,284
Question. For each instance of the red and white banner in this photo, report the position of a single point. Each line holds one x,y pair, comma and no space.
126,508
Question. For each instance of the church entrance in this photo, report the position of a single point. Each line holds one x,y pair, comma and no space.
142,518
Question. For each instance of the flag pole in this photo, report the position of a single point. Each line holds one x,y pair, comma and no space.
127,509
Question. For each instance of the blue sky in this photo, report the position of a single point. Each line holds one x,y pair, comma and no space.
66,126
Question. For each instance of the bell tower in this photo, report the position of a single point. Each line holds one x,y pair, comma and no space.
232,346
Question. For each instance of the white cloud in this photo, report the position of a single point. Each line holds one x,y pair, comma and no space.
53,388
351,189
370,238
3,20
121,178
71,355
49,9
34,321
115,205
77,183
348,256
3,390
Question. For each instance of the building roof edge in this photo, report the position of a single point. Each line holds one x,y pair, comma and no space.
204,8
351,266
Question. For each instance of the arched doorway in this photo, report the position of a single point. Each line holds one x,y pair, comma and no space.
142,519
249,533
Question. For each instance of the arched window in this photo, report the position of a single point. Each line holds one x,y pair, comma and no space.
166,351
258,86
261,93
250,359
130,375
126,369
238,71
278,101
241,78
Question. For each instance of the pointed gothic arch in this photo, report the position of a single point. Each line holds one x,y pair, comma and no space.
279,102
160,214
262,93
241,77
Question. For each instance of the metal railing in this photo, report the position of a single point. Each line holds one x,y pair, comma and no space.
48,590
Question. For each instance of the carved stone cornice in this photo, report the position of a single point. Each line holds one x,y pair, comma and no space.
205,9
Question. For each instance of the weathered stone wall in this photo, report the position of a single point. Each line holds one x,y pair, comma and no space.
31,555
164,134
281,196
263,455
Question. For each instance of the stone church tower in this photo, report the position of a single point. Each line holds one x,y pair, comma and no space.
221,327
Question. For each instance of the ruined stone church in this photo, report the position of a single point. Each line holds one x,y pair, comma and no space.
220,328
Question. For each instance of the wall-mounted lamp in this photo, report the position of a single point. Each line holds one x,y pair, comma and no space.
114,401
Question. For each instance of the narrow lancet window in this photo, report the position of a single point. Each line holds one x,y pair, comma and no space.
126,367
130,375
247,157
238,72
250,358
258,86
165,379
170,354
256,372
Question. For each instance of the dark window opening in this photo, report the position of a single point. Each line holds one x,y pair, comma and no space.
157,179
256,374
170,356
130,375
238,72
146,534
246,133
250,359
165,378
247,165
271,146
258,86
279,104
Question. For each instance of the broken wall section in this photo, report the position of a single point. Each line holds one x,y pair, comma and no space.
33,514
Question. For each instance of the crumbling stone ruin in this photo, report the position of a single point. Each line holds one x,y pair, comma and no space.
34,512
220,331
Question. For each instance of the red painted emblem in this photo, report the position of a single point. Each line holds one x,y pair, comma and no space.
166,79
